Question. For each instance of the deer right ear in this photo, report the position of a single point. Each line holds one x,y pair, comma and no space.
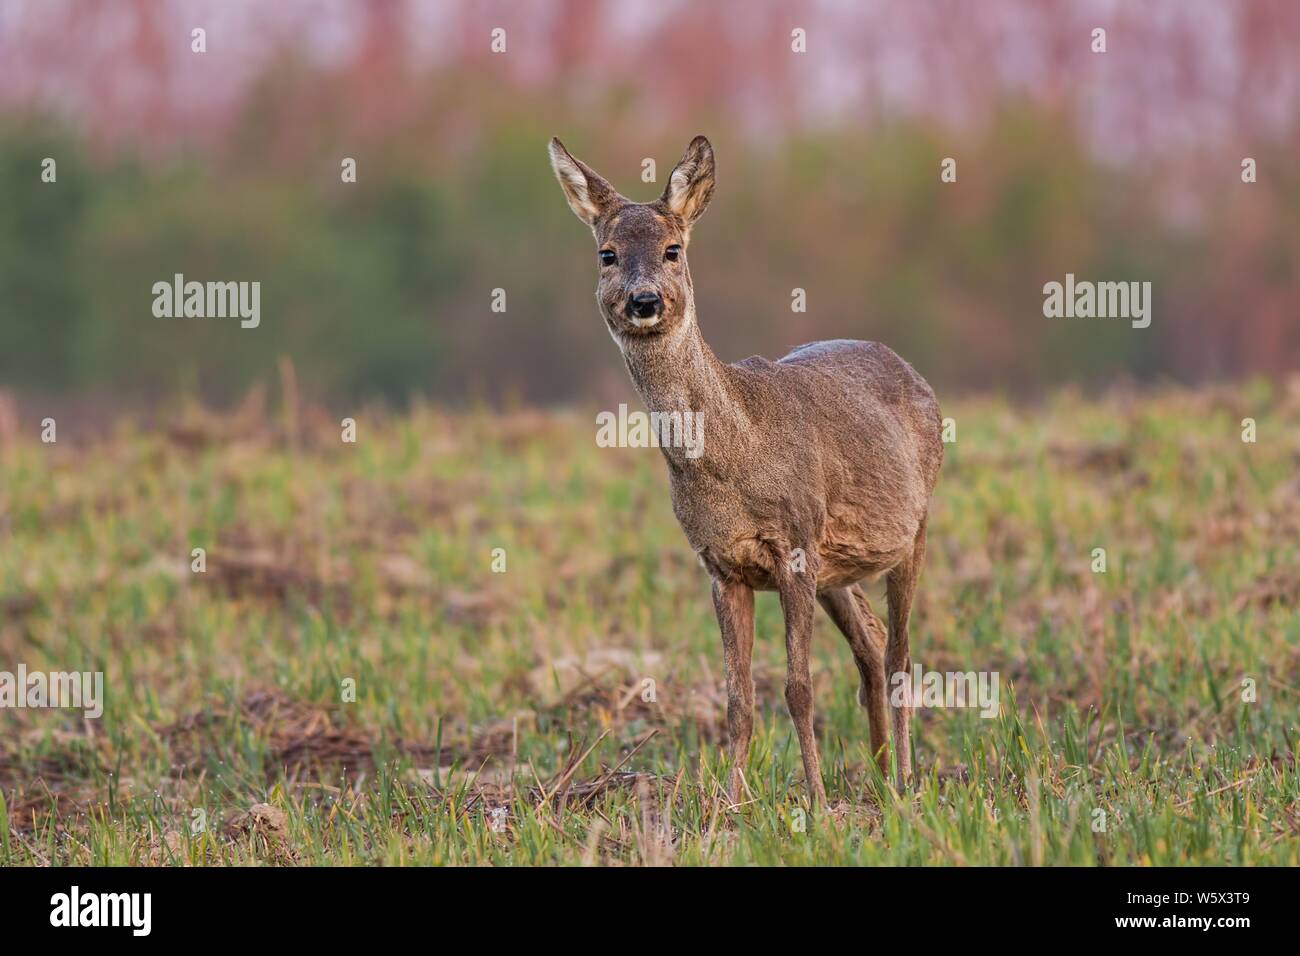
588,194
690,187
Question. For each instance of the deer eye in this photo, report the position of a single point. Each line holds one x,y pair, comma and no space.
607,257
673,252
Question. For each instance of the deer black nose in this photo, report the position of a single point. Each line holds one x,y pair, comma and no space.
643,305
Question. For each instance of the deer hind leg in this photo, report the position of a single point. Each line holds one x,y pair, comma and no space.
798,592
851,611
734,604
900,588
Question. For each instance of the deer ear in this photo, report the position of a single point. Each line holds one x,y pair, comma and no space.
588,194
690,187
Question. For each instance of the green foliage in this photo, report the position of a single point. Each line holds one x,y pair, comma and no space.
383,287
42,260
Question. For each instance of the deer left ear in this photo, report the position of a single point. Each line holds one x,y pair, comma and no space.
589,195
690,187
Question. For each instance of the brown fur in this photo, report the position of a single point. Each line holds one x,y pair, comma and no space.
833,450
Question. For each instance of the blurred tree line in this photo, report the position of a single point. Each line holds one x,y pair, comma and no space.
383,287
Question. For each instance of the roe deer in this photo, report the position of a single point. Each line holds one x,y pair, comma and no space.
816,472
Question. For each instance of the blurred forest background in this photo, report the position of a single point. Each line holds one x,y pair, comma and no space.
226,166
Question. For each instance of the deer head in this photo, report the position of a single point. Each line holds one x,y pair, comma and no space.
644,284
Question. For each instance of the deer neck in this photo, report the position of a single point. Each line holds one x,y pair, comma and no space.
678,374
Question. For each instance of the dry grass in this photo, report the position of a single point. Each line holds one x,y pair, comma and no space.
570,709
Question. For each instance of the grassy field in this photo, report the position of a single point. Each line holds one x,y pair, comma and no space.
570,709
